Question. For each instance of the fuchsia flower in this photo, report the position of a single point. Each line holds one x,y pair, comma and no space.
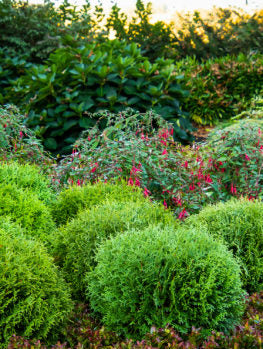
130,181
233,189
182,214
21,134
146,192
192,187
247,157
185,164
135,170
165,204
137,182
95,167
164,152
78,182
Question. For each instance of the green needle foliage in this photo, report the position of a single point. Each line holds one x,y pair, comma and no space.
76,198
27,176
24,207
239,223
34,299
76,243
160,276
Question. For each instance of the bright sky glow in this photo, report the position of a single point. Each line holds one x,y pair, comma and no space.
165,9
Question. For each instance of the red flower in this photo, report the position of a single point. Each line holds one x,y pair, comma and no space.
146,192
247,157
130,181
182,214
165,204
164,152
192,187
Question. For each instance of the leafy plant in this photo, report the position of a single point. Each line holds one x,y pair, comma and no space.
75,244
220,88
35,300
76,81
155,277
17,142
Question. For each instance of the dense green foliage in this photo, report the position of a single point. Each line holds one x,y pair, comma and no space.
37,30
25,208
78,198
18,142
77,80
183,278
240,225
27,176
34,299
220,88
76,243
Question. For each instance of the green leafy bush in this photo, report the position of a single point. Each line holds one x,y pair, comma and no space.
156,277
27,176
12,65
17,142
35,300
24,207
76,243
235,155
78,80
220,88
140,149
239,223
78,198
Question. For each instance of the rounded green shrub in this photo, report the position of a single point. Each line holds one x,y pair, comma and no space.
27,176
76,198
24,207
160,276
34,298
75,244
239,223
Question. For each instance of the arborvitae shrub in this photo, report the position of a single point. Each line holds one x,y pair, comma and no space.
76,243
34,299
27,176
155,277
24,207
240,224
76,198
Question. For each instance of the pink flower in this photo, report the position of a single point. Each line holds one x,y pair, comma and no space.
137,182
95,167
185,164
165,204
78,183
135,170
247,157
208,179
163,142
21,134
130,181
192,187
164,152
171,131
233,189
146,192
89,138
182,214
